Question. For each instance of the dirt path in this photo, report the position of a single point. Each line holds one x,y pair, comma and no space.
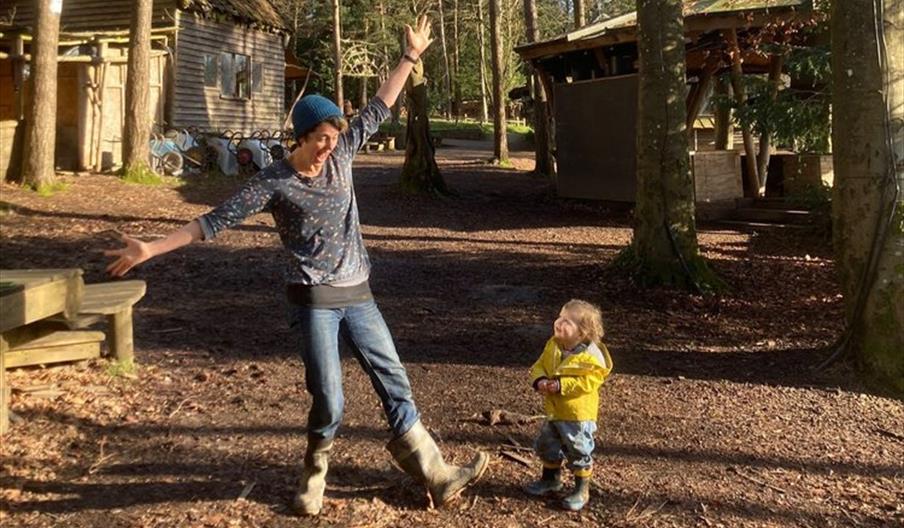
712,418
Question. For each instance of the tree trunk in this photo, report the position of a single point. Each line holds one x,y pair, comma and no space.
420,173
484,111
868,143
500,140
456,63
337,56
665,238
752,180
579,11
543,156
40,119
447,77
137,129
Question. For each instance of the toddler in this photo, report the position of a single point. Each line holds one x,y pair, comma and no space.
569,373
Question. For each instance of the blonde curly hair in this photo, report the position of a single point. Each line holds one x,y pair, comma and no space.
589,319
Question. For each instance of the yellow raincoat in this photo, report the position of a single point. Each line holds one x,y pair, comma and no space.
580,375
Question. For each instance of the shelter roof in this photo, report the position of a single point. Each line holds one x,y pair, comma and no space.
258,12
698,15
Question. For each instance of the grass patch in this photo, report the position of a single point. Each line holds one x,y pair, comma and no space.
463,129
49,189
121,369
140,175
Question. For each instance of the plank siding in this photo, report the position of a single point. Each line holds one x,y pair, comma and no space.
202,106
94,15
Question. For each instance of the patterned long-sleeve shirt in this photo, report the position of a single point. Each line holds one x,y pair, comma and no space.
316,218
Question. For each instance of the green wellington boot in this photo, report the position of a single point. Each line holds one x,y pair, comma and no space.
550,482
309,498
579,497
418,455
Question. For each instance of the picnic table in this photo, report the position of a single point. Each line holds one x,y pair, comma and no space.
43,313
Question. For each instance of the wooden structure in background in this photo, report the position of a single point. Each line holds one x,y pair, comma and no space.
590,75
215,66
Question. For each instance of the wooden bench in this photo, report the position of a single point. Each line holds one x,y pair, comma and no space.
110,301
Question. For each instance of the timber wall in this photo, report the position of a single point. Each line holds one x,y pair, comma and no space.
194,104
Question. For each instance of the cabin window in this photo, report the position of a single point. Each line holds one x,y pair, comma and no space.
257,77
210,70
235,75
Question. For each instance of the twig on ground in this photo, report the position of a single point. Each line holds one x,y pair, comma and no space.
517,458
246,491
101,458
757,481
516,447
179,407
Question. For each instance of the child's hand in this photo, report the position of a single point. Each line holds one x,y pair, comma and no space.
548,386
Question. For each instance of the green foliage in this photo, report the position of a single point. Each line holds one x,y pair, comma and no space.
121,369
49,189
799,118
140,174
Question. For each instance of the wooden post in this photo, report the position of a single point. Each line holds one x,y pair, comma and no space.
752,182
724,130
775,79
697,95
4,388
119,340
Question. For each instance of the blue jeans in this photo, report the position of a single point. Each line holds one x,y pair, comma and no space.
572,441
363,329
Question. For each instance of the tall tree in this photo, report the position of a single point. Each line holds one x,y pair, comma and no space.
137,129
543,157
500,140
868,206
484,112
420,172
337,55
664,249
579,14
40,121
456,62
447,76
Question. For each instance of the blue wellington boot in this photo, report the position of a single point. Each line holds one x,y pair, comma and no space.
550,482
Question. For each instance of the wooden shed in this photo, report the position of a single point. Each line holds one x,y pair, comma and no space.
591,74
216,65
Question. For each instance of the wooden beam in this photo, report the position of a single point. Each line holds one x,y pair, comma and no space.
701,88
752,181
4,388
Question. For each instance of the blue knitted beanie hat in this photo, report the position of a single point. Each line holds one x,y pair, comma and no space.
310,111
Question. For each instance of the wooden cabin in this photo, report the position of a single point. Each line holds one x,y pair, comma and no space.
596,67
215,65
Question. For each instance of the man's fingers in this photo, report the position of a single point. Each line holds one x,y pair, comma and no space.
114,252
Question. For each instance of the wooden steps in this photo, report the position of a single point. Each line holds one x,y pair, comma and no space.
54,347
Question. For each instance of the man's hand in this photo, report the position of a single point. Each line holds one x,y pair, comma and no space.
419,39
